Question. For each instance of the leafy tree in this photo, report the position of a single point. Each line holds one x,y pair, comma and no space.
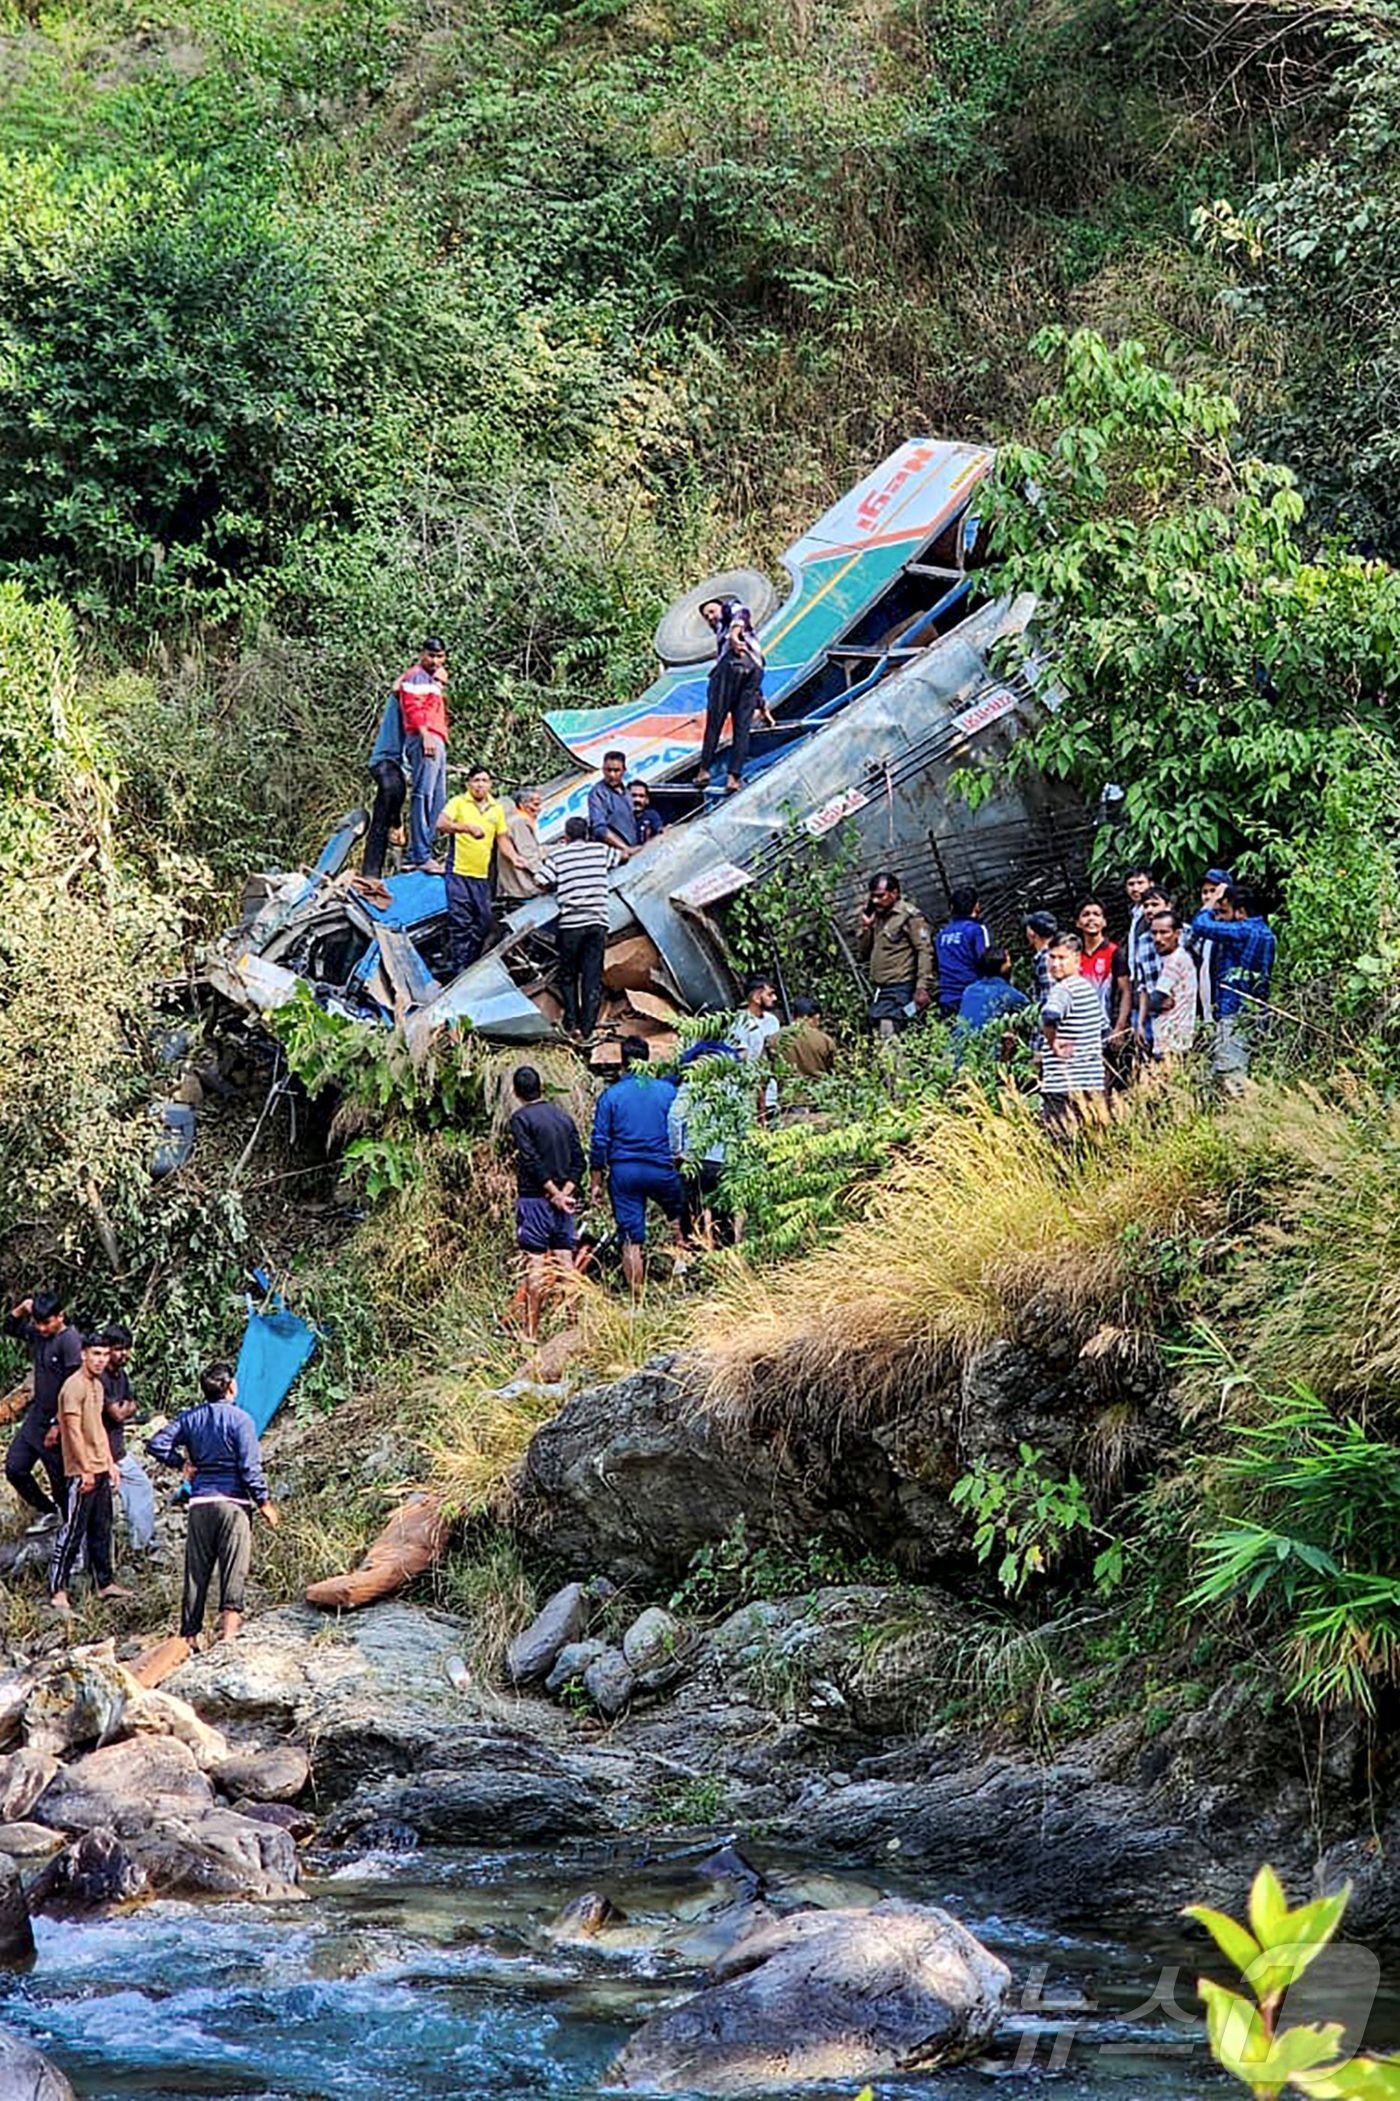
1316,255
1203,657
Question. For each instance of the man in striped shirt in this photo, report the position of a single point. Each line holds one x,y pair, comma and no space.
577,872
1072,1078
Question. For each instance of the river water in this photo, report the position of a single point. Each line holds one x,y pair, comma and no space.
412,1977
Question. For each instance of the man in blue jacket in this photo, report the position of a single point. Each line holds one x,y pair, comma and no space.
632,1146
217,1446
956,946
386,765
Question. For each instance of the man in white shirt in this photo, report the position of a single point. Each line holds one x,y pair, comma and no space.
753,1029
1172,1000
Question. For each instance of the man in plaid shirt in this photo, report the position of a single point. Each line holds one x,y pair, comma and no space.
1244,965
1144,969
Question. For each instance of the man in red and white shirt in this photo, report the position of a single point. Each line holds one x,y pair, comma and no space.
422,697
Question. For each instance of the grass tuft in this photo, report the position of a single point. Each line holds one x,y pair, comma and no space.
980,1230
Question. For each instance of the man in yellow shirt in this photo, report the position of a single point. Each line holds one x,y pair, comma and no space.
475,824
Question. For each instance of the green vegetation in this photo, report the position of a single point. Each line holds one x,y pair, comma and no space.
321,325
1271,1954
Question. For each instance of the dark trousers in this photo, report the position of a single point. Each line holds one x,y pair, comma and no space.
581,975
27,1450
735,694
390,789
468,918
220,1536
87,1523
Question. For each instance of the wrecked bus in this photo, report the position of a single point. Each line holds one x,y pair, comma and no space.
882,681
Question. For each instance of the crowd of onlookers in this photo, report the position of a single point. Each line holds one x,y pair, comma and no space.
68,1462
1100,1014
1106,1010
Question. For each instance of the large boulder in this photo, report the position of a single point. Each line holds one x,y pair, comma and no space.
96,1870
500,1788
635,1476
16,1933
218,1853
80,1699
277,1775
370,1694
26,2076
123,1786
825,1995
161,1714
25,1841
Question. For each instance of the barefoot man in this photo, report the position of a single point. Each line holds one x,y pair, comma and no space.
217,1446
89,1476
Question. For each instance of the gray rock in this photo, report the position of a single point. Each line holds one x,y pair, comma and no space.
608,1681
634,1477
460,1809
15,1688
123,1786
23,1777
501,1788
26,2076
218,1853
855,1657
653,1640
532,1654
276,1775
571,1662
584,1917
95,1870
825,1995
369,1693
78,1700
28,1841
285,1815
16,1933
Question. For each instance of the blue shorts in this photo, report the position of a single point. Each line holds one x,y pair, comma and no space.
629,1186
541,1228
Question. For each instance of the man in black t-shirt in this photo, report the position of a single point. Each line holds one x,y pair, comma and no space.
56,1352
549,1170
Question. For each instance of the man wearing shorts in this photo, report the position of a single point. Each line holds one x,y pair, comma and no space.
548,1175
632,1147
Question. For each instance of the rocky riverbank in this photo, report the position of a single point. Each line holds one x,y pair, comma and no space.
817,1722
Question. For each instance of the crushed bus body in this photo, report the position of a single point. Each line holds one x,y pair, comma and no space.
882,678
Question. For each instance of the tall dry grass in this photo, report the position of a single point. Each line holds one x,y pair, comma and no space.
982,1229
1314,1297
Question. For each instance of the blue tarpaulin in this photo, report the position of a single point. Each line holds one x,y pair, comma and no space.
413,900
276,1344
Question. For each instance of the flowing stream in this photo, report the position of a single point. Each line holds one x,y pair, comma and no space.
410,1977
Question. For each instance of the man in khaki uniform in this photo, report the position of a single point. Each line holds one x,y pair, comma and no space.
896,945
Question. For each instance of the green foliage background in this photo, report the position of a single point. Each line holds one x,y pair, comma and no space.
323,322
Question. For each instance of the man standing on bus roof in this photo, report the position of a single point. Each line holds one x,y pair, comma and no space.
422,698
